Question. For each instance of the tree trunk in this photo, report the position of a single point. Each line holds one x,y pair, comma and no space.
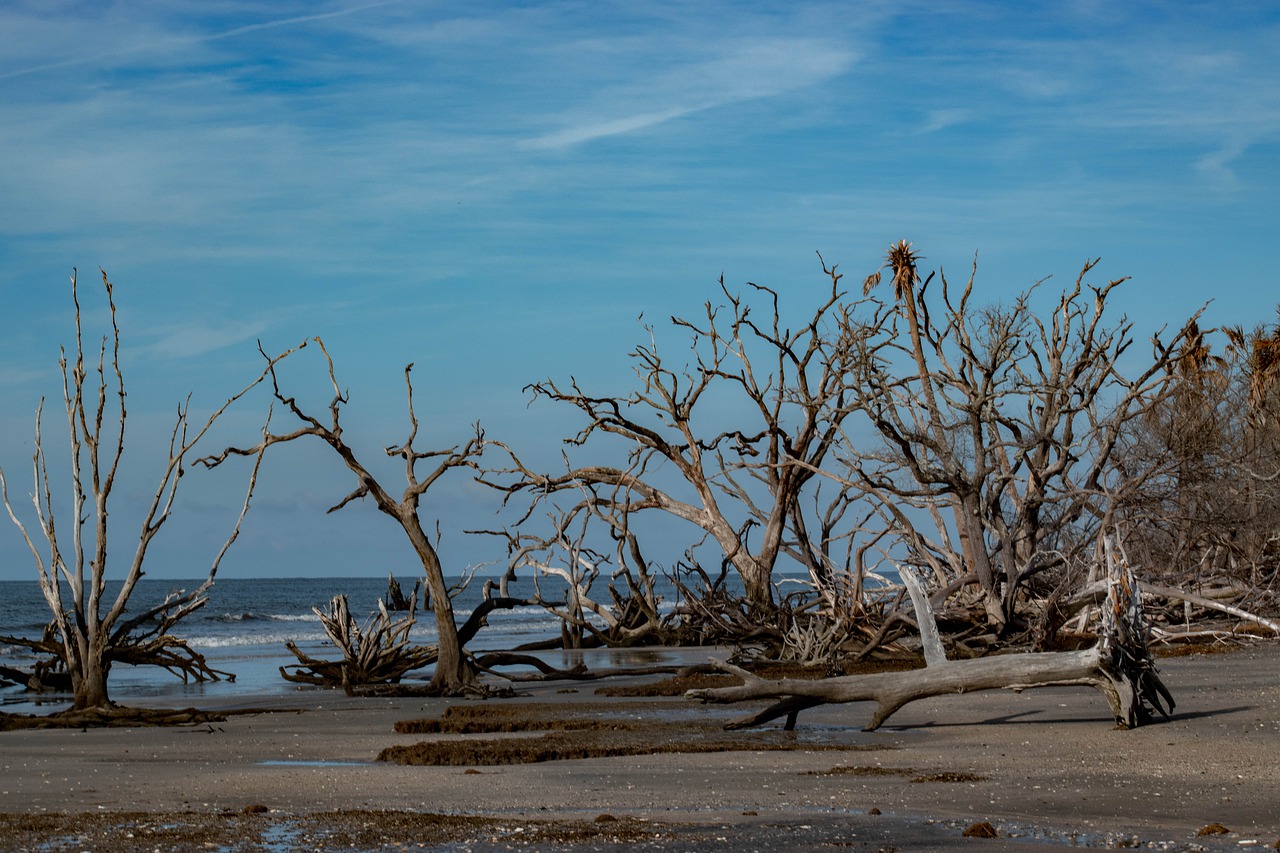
89,680
756,586
892,690
969,530
453,673
1119,667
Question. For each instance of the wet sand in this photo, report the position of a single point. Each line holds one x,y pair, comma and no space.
1040,766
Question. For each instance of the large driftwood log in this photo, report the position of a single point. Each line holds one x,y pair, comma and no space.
1119,666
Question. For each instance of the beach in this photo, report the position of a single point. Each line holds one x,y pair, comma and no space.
1040,766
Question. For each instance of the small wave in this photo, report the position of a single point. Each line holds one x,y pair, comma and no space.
233,617
236,640
16,653
526,610
268,617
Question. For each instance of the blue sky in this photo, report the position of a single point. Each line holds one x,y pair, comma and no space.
497,191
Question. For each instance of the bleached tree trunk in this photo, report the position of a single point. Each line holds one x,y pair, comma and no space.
1119,666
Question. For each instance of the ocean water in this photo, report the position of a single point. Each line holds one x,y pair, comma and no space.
244,627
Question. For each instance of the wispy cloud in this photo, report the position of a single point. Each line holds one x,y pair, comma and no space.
746,70
606,127
938,120
1216,166
183,340
172,43
16,376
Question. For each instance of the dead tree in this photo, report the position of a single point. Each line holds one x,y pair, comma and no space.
90,629
395,598
735,484
629,612
999,427
1119,666
453,674
1207,518
377,652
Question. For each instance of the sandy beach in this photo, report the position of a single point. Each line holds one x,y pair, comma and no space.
1039,766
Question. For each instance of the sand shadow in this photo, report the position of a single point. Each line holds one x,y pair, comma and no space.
1035,717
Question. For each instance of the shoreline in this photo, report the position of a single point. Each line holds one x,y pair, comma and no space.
1045,763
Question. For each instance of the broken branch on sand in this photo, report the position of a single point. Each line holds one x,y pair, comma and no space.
1119,666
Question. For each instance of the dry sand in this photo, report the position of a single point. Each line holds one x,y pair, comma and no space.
1042,766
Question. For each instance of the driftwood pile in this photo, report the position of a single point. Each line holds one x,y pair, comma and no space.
377,652
1120,666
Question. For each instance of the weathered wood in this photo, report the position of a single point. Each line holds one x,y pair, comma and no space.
377,652
90,630
892,690
1120,667
453,674
395,597
1094,591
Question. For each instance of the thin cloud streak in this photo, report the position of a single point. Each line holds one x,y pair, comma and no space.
613,127
174,42
187,340
496,191
747,70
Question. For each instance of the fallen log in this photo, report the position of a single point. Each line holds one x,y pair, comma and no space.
490,661
1093,591
1119,666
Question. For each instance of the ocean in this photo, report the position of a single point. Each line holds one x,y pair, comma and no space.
244,627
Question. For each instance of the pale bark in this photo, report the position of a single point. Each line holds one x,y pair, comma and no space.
997,424
91,630
1119,667
740,487
1098,590
453,673
377,652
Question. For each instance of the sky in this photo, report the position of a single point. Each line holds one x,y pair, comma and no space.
505,192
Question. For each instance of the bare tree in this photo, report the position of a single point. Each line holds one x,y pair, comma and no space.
454,673
91,628
737,485
631,614
1207,519
999,427
377,652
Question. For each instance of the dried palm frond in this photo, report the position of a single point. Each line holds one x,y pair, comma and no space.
901,259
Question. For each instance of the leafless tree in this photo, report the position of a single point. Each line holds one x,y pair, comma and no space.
630,615
1207,519
735,482
91,628
454,673
998,427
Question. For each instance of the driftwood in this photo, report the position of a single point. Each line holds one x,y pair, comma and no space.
1119,666
395,597
1092,592
546,672
377,652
